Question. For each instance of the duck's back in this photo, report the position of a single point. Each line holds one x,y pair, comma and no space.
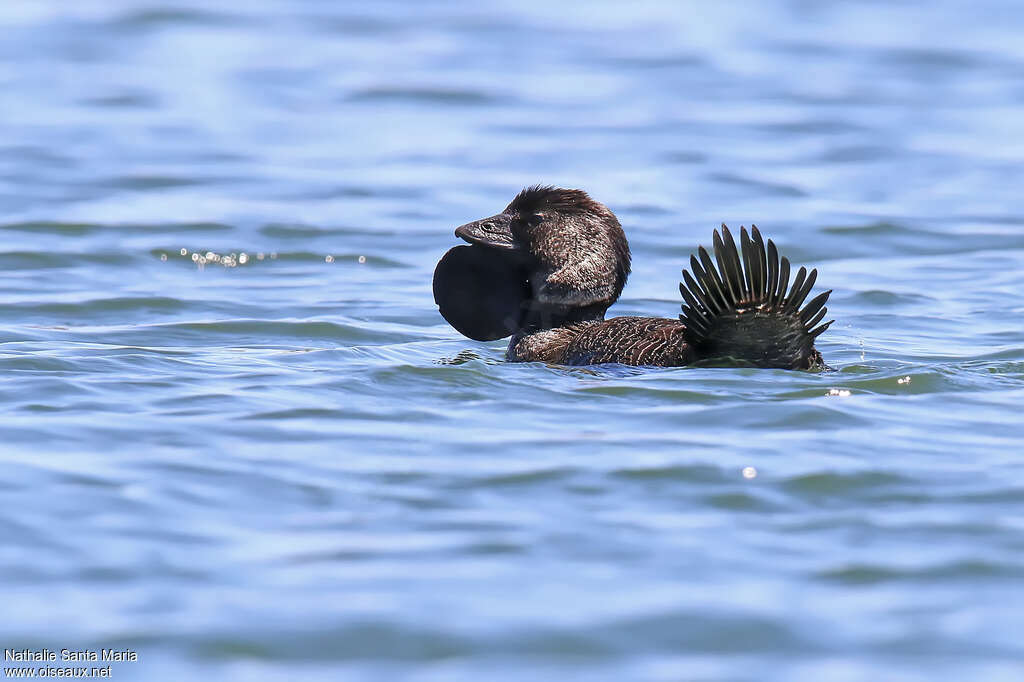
654,341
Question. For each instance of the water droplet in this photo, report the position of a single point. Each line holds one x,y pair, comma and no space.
903,380
841,392
259,256
329,259
195,257
749,472
184,252
362,259
243,258
163,257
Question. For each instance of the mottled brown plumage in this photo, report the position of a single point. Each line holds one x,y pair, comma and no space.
654,341
547,268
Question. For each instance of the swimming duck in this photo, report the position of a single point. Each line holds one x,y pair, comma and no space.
545,270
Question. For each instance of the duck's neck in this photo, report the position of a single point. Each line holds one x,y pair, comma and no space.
542,317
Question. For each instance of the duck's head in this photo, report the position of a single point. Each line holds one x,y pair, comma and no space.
552,257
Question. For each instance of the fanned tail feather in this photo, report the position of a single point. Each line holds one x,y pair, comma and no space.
741,310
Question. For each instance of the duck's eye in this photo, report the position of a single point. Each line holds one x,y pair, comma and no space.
534,219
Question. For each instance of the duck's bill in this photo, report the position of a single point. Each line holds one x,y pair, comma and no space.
481,292
494,232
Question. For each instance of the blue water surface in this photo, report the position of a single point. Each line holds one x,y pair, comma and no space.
237,438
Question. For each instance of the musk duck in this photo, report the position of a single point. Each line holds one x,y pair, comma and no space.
545,270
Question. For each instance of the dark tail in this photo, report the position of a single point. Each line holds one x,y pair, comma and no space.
741,311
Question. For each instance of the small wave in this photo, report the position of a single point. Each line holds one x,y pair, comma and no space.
447,96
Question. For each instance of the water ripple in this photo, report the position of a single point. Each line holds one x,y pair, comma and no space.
239,437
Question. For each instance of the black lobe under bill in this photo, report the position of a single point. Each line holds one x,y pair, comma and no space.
481,292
